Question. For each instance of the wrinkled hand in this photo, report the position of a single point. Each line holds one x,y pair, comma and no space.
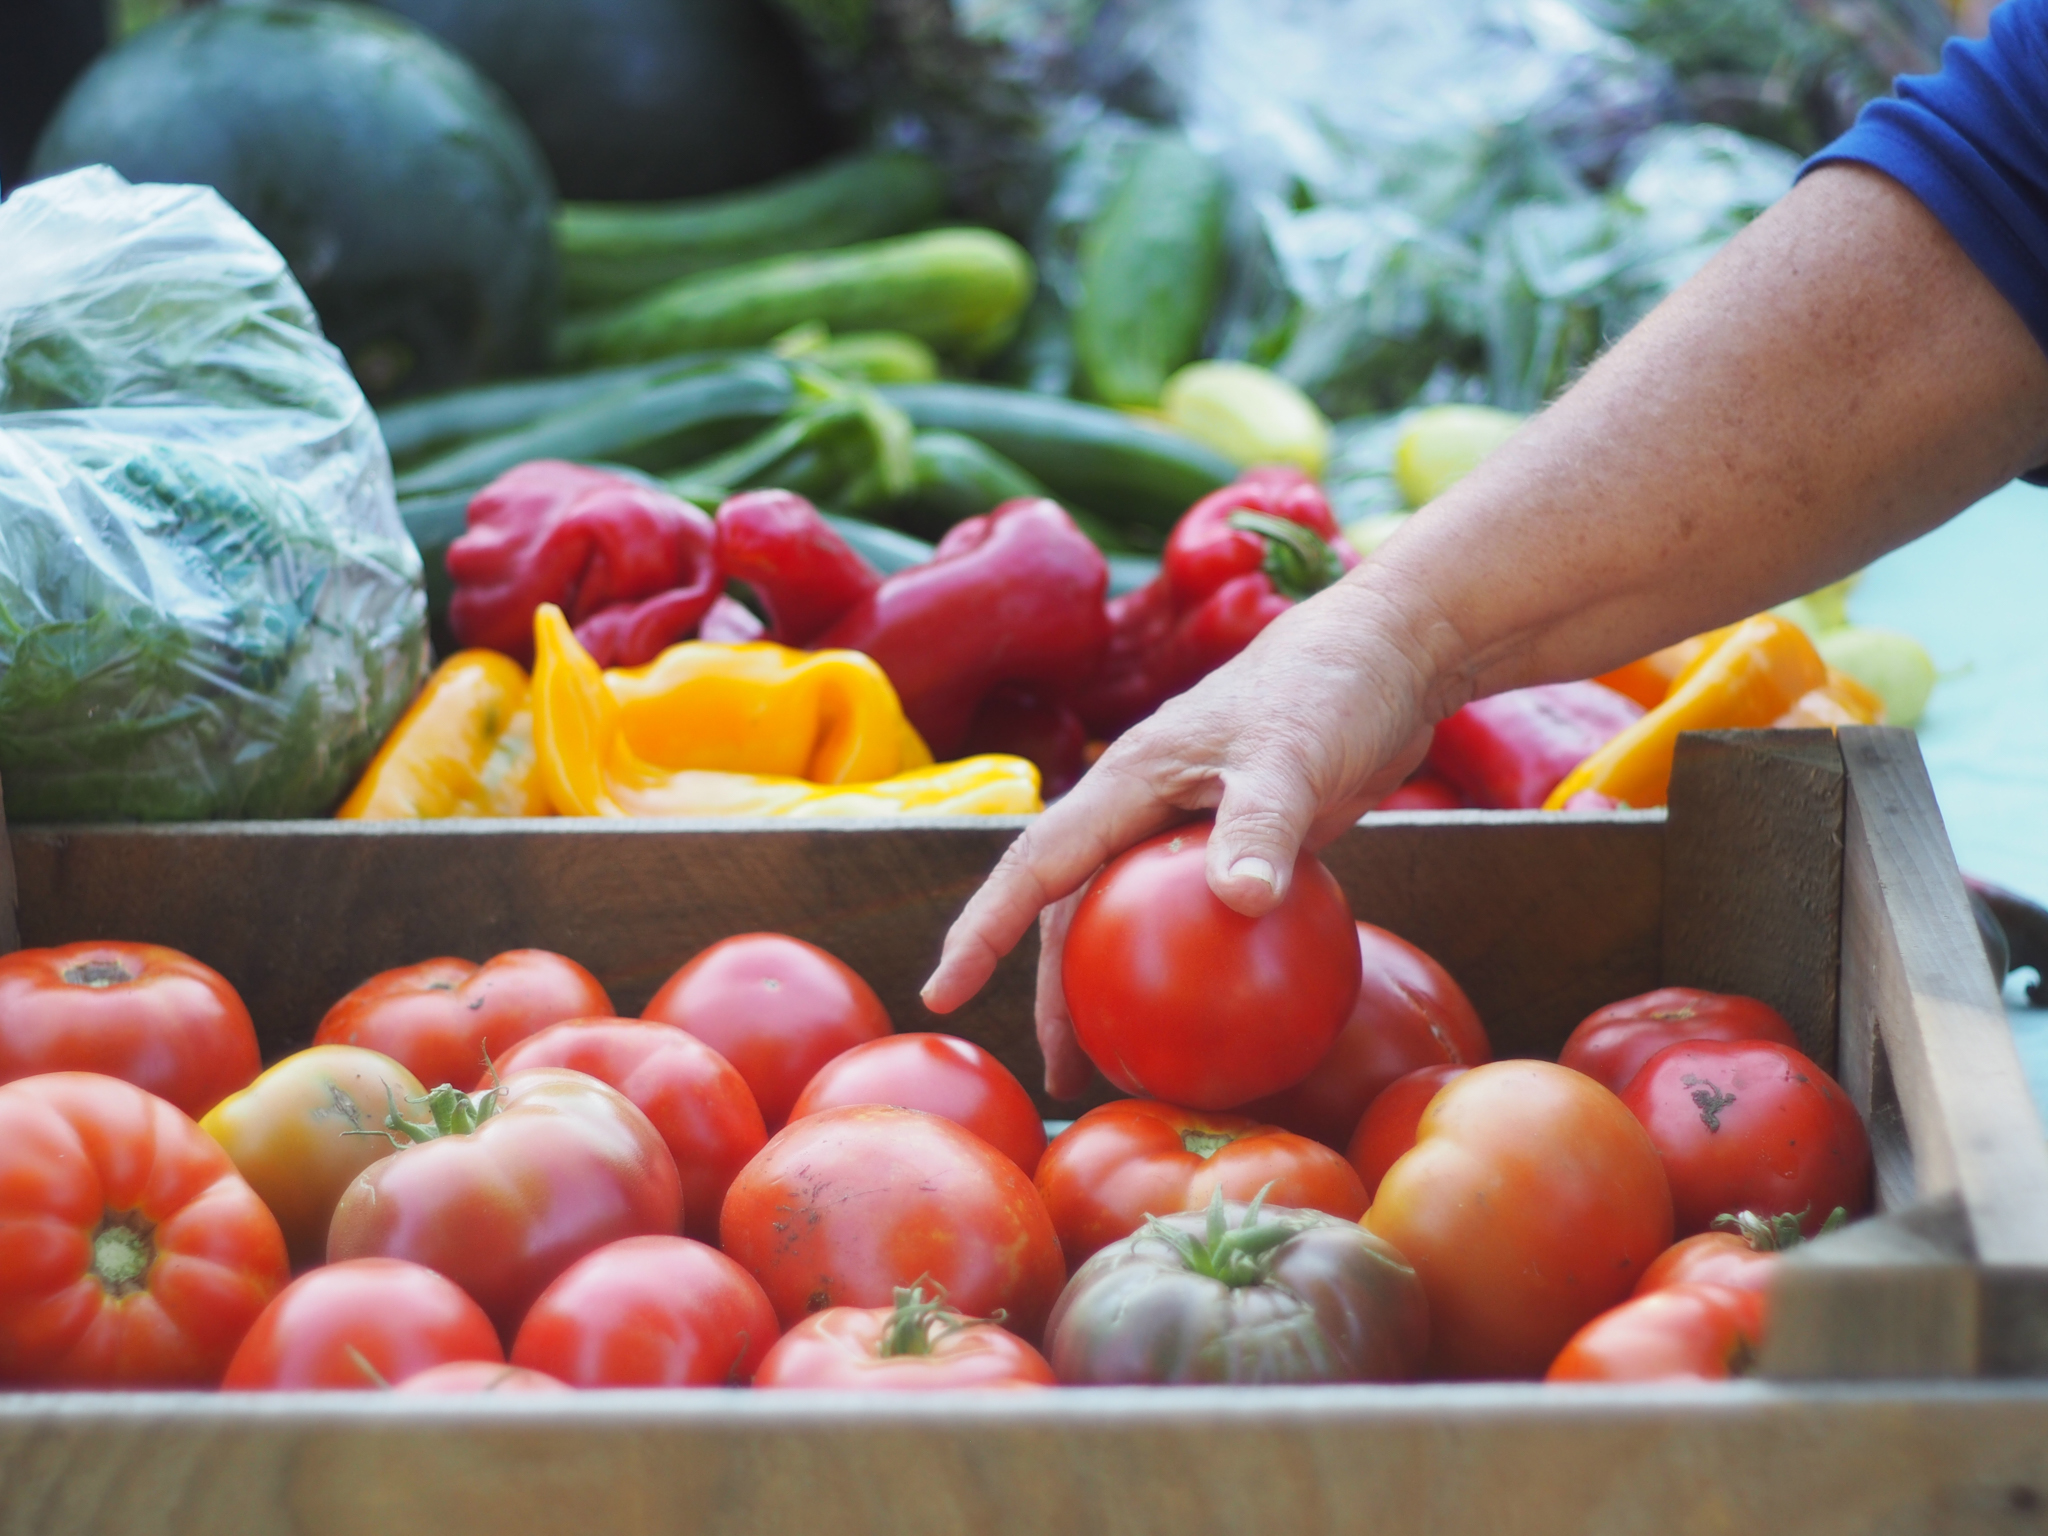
1324,714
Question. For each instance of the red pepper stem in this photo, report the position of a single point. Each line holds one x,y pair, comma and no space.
1299,561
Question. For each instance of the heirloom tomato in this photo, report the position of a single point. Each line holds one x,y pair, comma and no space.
1612,1043
1531,1202
508,1188
361,1325
846,1205
915,1345
440,1019
941,1075
1409,1014
480,1376
131,1252
1745,1257
1135,1158
1691,1332
1176,997
1387,1130
145,1014
776,1008
701,1106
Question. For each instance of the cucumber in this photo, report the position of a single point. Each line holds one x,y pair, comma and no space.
956,478
884,548
876,357
961,290
1151,264
612,252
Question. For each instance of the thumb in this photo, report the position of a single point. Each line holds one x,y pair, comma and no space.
1260,824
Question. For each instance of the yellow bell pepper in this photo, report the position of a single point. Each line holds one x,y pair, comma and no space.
1755,673
750,730
465,748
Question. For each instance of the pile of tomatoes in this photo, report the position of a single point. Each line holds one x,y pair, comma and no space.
479,1177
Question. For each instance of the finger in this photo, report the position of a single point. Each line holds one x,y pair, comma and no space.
1260,824
1067,1068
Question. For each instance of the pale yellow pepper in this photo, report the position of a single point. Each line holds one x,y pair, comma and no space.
464,748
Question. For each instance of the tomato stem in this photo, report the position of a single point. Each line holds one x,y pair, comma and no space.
1236,1256
122,1254
917,1324
451,1112
98,974
1774,1234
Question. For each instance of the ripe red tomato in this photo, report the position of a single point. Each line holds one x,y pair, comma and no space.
846,1205
439,1017
1751,1125
1409,1014
941,1075
480,1376
1135,1158
359,1326
1176,997
1531,1202
776,1008
1693,1332
649,1312
1612,1043
131,1252
145,1014
914,1346
1387,1130
1711,1258
701,1106
520,1184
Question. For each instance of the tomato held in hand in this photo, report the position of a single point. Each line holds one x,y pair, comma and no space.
1176,997
914,1346
1387,1130
145,1014
1409,1014
776,1008
1751,1125
361,1325
1612,1043
701,1106
1531,1202
649,1312
131,1252
1691,1332
510,1187
941,1075
439,1018
846,1205
1135,1158
480,1376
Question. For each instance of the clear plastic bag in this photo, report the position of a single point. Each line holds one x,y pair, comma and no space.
208,605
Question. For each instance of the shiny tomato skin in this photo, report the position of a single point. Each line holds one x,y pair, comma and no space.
1387,1130
1612,1043
1409,1014
649,1312
479,1376
839,1348
565,1167
1691,1332
289,1133
701,1106
396,1318
1751,1125
1531,1202
1134,1158
776,1008
843,1206
440,1017
131,1252
941,1075
148,1015
1712,1258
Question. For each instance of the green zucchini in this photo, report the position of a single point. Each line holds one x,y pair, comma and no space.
875,357
1151,265
612,252
961,290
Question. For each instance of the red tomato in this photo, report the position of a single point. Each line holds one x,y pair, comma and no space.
131,1252
1176,997
701,1106
1135,1158
1409,1014
776,1008
913,1346
941,1075
1387,1131
145,1014
1531,1202
1711,1258
649,1312
848,1204
437,1019
480,1376
559,1166
1612,1043
1689,1332
1751,1125
358,1326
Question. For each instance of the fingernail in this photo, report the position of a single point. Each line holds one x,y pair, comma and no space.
1255,869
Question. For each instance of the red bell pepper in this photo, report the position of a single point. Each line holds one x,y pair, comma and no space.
1039,729
804,574
1424,792
1508,752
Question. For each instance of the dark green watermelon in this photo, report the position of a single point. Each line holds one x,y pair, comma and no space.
412,205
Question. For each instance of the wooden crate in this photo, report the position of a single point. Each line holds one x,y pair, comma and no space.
1800,868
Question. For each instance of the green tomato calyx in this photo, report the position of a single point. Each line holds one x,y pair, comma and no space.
917,1324
450,1112
1236,1256
1774,1234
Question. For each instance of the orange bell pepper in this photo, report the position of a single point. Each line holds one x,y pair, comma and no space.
1840,701
465,748
1649,679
